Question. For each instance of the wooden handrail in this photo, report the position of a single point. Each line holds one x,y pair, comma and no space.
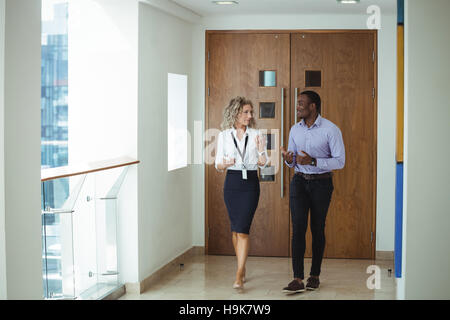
73,170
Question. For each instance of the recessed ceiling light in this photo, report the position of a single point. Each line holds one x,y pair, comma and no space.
348,1
225,2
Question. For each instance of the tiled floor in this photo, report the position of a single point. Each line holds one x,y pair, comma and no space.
211,277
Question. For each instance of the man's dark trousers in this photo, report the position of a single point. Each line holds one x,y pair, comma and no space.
315,196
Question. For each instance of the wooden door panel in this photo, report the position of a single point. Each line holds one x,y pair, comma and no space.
345,60
235,62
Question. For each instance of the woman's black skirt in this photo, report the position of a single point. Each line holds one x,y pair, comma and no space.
241,198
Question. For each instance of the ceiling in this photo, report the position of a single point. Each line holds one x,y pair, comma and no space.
207,8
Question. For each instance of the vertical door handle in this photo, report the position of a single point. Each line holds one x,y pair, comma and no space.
295,105
282,143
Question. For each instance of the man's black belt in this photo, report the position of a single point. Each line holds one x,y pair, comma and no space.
307,176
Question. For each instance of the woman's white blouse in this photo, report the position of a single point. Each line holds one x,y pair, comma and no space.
226,148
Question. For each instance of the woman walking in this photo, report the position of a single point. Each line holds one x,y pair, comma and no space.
240,150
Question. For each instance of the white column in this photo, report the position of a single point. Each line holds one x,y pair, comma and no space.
22,156
2,155
426,253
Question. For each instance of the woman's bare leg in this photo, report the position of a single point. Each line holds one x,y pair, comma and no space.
234,239
242,247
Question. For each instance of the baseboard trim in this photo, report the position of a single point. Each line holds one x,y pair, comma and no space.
144,285
116,294
133,287
385,255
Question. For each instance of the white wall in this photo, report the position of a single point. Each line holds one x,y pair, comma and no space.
386,101
22,163
102,79
164,197
2,154
426,254
103,87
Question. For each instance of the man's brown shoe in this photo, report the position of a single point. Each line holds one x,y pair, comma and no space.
294,286
312,283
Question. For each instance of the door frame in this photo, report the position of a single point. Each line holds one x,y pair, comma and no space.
374,32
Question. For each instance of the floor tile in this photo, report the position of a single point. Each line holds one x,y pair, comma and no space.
211,278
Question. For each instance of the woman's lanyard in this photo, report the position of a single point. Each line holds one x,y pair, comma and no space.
242,154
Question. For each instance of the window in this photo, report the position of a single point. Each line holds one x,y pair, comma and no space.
54,87
266,110
267,78
54,133
313,78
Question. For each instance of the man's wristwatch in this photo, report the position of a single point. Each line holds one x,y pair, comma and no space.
313,162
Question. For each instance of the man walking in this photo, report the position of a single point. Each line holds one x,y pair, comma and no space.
315,149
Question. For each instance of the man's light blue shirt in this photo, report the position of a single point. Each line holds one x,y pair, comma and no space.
323,141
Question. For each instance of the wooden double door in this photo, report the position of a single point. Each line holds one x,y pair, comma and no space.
271,69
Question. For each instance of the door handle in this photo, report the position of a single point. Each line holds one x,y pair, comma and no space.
295,105
282,143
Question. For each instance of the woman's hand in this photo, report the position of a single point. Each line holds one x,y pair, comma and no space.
228,162
261,143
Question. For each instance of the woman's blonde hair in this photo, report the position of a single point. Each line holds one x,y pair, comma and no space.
231,112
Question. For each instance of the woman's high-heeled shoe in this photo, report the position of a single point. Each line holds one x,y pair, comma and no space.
238,286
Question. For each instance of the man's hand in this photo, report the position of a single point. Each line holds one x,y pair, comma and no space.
288,156
303,159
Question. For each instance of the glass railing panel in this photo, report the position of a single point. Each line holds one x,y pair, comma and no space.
108,184
107,265
57,258
84,237
58,200
57,246
79,230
